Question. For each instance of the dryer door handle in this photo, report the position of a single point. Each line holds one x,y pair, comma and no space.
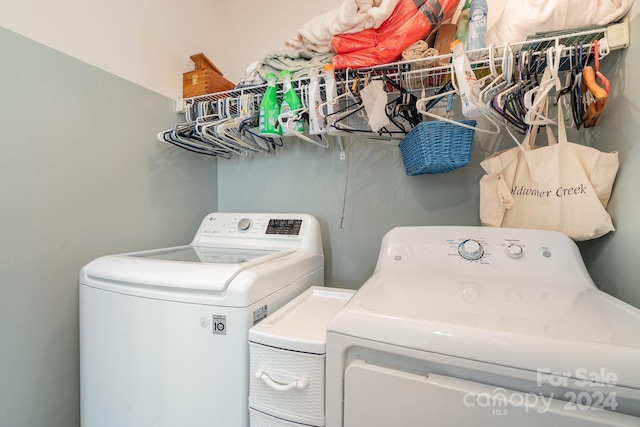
300,383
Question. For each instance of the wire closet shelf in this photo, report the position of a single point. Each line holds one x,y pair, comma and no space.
428,73
225,123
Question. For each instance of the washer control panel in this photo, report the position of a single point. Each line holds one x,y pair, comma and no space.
240,225
245,225
259,230
289,227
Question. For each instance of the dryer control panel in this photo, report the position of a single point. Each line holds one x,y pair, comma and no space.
482,251
473,249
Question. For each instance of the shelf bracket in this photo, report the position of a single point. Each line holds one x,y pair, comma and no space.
343,154
181,105
618,35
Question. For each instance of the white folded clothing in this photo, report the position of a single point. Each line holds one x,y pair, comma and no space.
299,62
352,16
522,18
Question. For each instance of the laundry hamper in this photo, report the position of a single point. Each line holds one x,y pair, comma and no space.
437,147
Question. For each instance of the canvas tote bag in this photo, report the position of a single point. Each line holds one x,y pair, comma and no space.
561,186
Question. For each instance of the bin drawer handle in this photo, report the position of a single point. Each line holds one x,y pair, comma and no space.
300,383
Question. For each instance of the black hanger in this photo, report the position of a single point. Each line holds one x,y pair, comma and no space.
403,106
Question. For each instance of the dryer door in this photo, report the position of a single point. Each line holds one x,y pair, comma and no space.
376,396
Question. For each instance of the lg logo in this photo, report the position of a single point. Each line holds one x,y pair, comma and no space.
220,325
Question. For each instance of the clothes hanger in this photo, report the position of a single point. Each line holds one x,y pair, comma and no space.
576,89
289,124
348,92
501,80
182,135
288,120
335,122
210,135
501,86
404,106
353,106
193,147
500,99
225,129
561,95
535,96
594,96
399,107
478,88
517,106
229,130
208,129
599,76
266,143
245,127
421,103
509,103
540,105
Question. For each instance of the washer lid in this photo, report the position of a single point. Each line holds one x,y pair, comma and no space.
203,254
516,323
182,267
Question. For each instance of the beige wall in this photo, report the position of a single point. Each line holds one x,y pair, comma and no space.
149,42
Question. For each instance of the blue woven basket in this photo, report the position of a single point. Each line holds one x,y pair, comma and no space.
437,147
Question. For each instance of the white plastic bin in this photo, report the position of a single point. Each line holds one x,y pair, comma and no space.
287,360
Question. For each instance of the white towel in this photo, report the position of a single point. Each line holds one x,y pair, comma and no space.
374,99
352,16
300,62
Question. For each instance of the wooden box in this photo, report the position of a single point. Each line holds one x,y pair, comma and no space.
206,78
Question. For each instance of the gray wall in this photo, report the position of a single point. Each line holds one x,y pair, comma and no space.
81,175
380,196
305,178
614,259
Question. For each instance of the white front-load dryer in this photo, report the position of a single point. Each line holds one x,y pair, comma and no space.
473,326
164,333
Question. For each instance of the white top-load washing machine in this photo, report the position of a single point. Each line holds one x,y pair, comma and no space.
164,333
473,326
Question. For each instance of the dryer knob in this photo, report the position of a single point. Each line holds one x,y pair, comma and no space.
244,225
470,249
515,251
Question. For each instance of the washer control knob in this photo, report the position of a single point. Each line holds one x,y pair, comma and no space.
515,251
470,249
244,225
